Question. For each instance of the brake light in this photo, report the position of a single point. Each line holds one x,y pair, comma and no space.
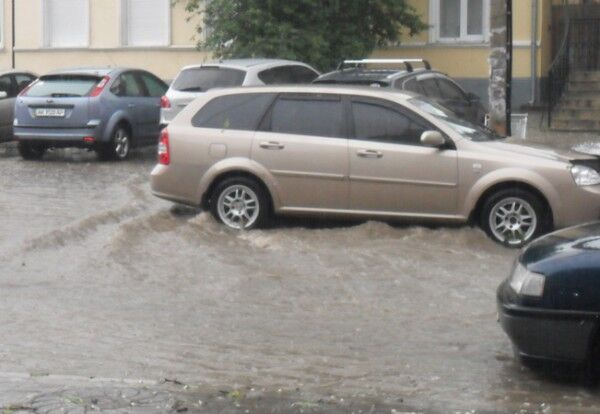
164,156
164,102
24,91
100,87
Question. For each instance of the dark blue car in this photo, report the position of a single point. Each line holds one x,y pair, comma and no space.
109,110
550,305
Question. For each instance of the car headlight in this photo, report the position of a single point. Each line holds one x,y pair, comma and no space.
527,283
585,175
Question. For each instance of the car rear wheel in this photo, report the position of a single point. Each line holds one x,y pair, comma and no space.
30,151
514,217
240,203
119,146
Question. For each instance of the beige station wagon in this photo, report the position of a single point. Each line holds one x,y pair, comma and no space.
365,153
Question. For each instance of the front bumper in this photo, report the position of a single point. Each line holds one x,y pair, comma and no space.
547,334
579,205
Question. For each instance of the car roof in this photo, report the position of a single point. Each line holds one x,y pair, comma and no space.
366,76
246,63
97,71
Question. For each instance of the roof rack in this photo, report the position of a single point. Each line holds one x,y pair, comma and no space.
362,62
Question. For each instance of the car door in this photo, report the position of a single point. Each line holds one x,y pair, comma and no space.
7,107
154,90
131,99
303,143
390,171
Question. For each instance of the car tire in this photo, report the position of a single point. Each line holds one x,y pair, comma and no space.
240,203
30,151
514,217
119,146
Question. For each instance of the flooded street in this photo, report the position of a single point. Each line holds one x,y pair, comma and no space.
101,279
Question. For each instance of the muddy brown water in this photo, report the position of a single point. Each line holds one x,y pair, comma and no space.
99,278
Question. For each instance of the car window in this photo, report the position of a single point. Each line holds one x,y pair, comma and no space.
376,122
241,111
126,85
7,86
410,85
308,115
278,75
63,86
207,77
430,87
22,80
302,74
155,87
450,90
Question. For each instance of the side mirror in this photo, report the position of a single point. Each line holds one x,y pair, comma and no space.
433,139
3,95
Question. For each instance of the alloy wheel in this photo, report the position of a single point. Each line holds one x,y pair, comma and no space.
513,221
238,207
121,143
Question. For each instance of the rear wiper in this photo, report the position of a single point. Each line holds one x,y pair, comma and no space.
192,89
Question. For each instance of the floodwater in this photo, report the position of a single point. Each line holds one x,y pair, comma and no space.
101,279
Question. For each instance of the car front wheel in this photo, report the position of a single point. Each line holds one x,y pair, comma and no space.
240,203
31,151
514,217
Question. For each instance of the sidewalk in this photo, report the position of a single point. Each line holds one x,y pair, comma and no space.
538,132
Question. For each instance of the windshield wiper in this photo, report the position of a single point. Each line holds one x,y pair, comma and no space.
192,89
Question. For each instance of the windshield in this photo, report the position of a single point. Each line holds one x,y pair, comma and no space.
461,126
63,86
204,78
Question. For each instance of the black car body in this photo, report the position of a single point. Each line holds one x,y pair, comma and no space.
550,305
424,81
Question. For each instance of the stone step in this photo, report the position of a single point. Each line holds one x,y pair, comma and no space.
583,87
581,114
575,125
585,76
583,102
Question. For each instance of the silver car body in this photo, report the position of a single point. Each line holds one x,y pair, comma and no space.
252,68
12,82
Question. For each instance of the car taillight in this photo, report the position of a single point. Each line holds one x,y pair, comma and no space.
164,157
164,102
24,91
100,87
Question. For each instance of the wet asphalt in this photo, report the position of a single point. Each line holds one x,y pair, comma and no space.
99,279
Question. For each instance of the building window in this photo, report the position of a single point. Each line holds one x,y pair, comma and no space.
459,20
66,23
146,22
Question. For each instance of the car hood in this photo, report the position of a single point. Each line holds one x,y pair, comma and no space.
574,247
520,147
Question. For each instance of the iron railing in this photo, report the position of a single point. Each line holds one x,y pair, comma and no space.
558,74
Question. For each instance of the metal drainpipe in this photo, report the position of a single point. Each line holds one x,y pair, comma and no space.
534,26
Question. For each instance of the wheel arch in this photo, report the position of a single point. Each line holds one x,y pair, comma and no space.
118,118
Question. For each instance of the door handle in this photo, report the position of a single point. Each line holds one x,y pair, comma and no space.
271,145
369,153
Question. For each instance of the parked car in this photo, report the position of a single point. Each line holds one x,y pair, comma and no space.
425,81
109,110
360,152
193,80
12,82
550,304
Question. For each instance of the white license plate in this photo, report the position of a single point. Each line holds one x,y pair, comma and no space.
50,112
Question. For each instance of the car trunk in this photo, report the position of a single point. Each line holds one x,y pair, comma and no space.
57,101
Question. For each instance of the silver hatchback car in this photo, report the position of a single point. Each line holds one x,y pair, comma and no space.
194,80
363,152
109,110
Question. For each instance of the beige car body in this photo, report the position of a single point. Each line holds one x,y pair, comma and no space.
354,178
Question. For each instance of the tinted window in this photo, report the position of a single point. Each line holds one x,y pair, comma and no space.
303,74
204,78
410,85
22,81
155,87
379,123
279,75
6,86
305,115
126,85
430,87
450,90
242,112
63,86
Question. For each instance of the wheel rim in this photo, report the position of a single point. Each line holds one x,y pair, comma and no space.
513,221
121,143
238,206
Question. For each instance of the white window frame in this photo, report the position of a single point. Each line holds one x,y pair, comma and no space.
434,21
47,36
3,25
125,28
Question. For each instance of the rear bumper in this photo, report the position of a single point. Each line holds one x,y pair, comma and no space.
59,136
545,334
